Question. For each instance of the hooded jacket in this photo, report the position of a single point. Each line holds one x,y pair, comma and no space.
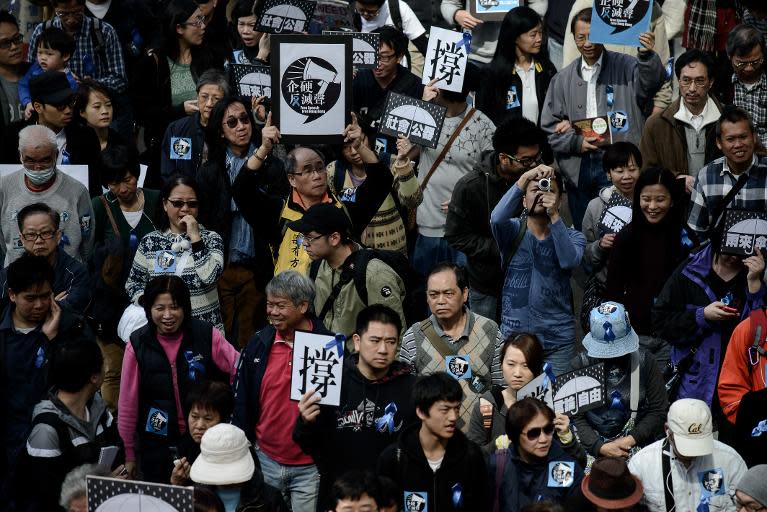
353,435
460,483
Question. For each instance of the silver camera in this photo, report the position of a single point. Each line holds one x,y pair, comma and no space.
544,184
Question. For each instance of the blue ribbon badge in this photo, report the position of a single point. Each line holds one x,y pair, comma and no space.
550,379
711,484
760,429
339,342
386,422
616,400
195,366
466,42
457,491
39,358
609,334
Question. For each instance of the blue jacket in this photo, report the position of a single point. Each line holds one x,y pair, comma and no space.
24,95
678,318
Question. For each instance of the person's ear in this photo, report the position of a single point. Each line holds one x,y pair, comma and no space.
65,57
303,307
357,342
719,143
38,107
421,415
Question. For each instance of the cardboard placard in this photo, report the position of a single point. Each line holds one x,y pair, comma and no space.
311,80
285,16
418,120
492,10
446,58
113,495
617,214
251,80
744,232
539,388
581,390
317,363
333,15
620,22
364,47
598,127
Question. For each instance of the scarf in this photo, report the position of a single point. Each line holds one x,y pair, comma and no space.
701,25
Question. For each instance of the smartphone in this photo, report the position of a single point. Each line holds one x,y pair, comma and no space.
729,309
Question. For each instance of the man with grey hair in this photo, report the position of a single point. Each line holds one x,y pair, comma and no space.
745,48
40,181
262,390
183,146
73,497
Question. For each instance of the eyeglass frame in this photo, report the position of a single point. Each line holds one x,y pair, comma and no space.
537,159
199,22
79,13
687,82
194,203
17,40
309,240
44,236
534,434
318,171
742,64
243,118
365,13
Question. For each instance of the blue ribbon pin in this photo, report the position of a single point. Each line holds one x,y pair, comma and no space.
760,429
39,358
338,342
195,366
616,402
387,420
609,334
457,495
550,378
466,42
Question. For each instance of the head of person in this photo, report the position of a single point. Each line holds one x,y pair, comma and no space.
745,48
517,144
38,151
212,86
736,137
70,13
437,398
447,291
689,428
533,194
447,98
324,229
610,333
52,99
623,163
289,296
209,403
368,9
351,154
655,198
530,427
11,41
119,171
39,228
207,9
179,197
755,7
391,50
94,104
355,491
580,27
521,359
229,126
167,304
390,496
225,458
72,497
750,492
307,173
695,72
54,49
376,339
521,34
76,367
610,486
30,281
245,21
206,500
183,26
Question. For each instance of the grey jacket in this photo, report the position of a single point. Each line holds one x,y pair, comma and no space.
594,257
634,80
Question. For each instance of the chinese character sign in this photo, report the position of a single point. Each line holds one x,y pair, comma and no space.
317,364
540,388
620,22
446,58
285,16
364,47
744,232
617,214
111,494
580,390
251,80
418,120
492,10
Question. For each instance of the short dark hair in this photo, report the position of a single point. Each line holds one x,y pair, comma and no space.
521,413
206,500
86,87
377,313
513,134
619,154
433,387
694,55
73,363
211,395
390,493
531,348
377,3
161,216
743,39
7,17
352,485
393,38
460,273
115,162
38,208
733,114
583,15
177,289
29,271
243,9
54,3
56,39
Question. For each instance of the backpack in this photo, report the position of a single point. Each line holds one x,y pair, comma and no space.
394,12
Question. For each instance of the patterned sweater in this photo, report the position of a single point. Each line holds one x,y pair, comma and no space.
200,269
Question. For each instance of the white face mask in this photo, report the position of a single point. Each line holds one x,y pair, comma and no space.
41,176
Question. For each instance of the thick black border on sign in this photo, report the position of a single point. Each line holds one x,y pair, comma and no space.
487,16
277,103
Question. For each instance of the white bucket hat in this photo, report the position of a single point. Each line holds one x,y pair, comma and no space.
225,457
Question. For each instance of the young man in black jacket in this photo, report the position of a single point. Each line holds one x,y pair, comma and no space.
375,402
434,463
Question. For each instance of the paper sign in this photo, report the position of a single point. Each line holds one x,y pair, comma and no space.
364,47
580,390
285,16
418,120
744,231
333,15
539,388
616,215
107,456
620,22
114,495
492,10
251,80
595,127
446,59
317,364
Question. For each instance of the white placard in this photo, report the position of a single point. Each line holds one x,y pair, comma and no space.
317,364
78,172
113,495
536,389
446,59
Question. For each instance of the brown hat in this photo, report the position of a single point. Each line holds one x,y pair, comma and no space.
610,485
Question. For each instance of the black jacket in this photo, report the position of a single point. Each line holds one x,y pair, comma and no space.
751,415
187,127
467,228
353,435
463,468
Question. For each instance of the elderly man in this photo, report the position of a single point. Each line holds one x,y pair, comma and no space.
12,68
41,182
751,493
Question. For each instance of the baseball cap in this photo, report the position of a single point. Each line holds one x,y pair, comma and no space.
324,218
690,421
50,87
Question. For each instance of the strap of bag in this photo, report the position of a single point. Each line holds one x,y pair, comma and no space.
516,243
719,210
428,330
668,481
634,398
449,143
394,12
109,214
346,276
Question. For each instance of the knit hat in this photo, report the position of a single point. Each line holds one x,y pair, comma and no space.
225,457
754,483
610,333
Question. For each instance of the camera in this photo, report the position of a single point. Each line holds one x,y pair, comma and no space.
544,184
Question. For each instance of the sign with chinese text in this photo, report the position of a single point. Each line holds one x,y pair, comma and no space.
620,22
540,388
594,128
744,232
317,364
364,47
285,16
492,10
617,214
311,77
251,80
418,120
333,15
114,495
580,390
446,59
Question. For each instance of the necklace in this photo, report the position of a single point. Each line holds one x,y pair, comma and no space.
139,204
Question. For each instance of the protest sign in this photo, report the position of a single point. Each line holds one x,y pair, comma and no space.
317,364
285,16
251,80
446,58
114,495
617,214
418,120
492,10
364,47
744,232
620,22
581,390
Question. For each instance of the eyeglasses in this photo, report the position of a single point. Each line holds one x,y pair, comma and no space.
70,14
365,13
750,507
385,59
198,22
527,161
688,82
319,170
45,235
308,240
535,433
741,64
232,121
178,203
68,103
17,40
30,163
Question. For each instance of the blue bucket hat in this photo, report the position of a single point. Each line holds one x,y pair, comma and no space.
611,334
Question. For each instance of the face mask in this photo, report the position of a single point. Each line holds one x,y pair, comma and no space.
41,176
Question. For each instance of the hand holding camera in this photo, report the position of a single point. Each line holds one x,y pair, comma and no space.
536,174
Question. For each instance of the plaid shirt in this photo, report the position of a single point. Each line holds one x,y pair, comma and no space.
754,102
106,66
715,180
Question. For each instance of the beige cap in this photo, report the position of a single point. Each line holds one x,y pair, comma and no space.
690,421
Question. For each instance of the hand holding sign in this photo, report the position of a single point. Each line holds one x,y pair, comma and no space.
607,241
309,406
430,91
755,265
466,20
647,39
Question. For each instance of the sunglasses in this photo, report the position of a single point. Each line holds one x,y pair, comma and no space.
535,433
232,121
178,203
17,40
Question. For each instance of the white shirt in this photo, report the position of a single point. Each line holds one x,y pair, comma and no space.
529,97
98,10
411,26
687,482
709,115
590,75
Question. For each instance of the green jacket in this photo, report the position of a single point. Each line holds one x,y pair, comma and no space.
103,226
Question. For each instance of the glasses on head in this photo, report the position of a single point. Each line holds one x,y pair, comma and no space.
385,59
308,240
741,64
750,507
198,22
688,82
232,121
70,14
179,203
31,237
68,103
319,170
527,161
17,40
535,433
